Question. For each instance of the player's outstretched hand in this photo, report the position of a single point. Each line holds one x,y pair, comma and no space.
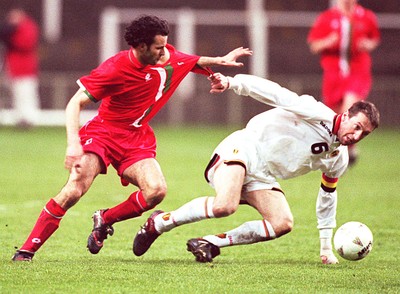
219,83
230,58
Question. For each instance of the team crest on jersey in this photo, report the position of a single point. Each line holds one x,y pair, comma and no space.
89,141
147,77
334,153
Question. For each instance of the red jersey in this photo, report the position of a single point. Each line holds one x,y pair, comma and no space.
131,93
345,56
21,56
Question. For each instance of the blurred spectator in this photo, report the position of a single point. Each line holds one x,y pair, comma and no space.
20,35
344,36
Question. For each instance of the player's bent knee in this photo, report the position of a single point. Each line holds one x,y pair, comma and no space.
284,226
155,195
223,211
287,227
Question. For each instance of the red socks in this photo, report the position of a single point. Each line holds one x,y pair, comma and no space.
45,226
52,213
134,206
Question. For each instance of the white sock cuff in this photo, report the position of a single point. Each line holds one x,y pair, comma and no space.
209,203
269,229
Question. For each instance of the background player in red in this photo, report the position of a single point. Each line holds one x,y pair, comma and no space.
132,86
20,34
344,36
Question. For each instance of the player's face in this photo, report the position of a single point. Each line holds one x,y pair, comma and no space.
155,51
353,129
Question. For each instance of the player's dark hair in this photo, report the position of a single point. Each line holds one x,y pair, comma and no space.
144,29
368,109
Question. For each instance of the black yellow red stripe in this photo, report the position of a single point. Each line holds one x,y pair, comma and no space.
328,184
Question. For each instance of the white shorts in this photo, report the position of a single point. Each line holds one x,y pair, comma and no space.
26,100
240,148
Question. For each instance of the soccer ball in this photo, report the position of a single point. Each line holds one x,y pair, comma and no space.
353,241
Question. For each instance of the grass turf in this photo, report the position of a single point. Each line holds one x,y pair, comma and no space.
31,171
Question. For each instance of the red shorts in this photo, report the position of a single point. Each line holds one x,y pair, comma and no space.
335,86
117,146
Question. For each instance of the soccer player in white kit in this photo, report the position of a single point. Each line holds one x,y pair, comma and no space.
299,135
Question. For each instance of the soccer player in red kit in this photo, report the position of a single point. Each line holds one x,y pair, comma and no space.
132,86
344,36
20,34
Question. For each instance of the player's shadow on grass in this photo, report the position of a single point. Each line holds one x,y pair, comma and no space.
220,261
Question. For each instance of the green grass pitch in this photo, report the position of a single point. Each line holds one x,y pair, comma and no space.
31,171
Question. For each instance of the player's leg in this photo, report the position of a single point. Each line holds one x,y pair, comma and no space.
133,156
228,181
274,208
145,174
79,181
277,220
333,90
348,100
357,87
26,100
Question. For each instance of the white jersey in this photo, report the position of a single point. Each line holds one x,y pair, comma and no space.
297,136
292,145
292,139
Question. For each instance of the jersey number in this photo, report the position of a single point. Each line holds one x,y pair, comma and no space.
318,148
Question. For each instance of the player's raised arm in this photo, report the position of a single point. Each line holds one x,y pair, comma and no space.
227,60
326,216
74,149
265,91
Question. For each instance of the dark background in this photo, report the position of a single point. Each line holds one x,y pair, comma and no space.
291,63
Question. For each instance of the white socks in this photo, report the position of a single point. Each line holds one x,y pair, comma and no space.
248,233
201,208
193,211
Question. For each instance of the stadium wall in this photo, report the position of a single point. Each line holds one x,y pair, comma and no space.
289,62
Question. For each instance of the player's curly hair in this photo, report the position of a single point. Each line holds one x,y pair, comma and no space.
369,110
143,30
